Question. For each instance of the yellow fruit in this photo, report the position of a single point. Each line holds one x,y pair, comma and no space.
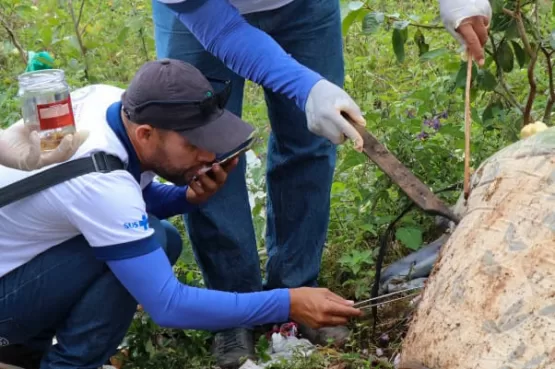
532,128
526,131
540,126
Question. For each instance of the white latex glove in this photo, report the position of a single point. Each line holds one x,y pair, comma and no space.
468,22
20,148
323,109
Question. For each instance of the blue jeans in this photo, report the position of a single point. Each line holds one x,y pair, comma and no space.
300,165
66,292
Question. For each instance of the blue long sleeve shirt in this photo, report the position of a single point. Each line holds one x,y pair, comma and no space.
151,281
248,51
144,270
165,201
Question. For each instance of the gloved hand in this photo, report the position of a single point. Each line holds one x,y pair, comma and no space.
468,22
20,148
323,109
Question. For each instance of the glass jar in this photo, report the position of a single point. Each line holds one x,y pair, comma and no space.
46,105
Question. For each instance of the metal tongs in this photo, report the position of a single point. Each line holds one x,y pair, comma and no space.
370,303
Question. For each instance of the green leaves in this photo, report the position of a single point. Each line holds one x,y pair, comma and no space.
371,22
399,37
521,56
410,237
460,80
430,55
491,111
420,41
505,57
355,260
486,80
355,5
398,45
497,6
350,16
350,160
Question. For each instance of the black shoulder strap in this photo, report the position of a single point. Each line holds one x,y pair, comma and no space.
97,162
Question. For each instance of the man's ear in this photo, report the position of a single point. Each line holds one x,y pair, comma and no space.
144,133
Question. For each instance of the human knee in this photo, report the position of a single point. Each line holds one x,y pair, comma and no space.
174,242
168,237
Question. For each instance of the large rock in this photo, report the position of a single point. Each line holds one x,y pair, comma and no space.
490,300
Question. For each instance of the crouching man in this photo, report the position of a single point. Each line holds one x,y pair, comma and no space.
76,258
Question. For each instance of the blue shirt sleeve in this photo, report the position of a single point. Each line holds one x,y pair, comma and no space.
151,281
248,51
164,201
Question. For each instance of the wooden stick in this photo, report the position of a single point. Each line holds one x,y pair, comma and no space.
467,121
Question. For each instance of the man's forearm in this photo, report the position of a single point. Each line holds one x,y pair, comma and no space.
245,49
164,201
150,279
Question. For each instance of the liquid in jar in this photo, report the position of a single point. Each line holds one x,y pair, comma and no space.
46,105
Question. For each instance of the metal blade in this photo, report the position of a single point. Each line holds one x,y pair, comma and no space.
402,176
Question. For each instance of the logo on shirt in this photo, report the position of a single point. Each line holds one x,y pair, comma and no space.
143,223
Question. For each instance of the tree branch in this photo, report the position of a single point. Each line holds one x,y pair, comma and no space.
532,94
13,39
93,18
80,12
551,100
426,26
78,35
141,34
533,58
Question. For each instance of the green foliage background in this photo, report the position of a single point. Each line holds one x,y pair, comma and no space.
403,69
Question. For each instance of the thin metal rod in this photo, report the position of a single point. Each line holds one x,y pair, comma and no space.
389,301
364,302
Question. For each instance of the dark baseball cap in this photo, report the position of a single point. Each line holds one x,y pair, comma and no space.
174,95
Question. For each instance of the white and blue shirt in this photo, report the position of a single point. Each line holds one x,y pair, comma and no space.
107,209
111,211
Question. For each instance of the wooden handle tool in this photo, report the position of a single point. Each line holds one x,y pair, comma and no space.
467,127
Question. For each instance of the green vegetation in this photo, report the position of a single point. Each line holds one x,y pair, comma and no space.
403,69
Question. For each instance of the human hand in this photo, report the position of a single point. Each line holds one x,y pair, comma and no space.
324,105
207,184
468,21
319,307
20,148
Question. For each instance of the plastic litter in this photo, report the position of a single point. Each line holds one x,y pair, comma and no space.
413,269
39,61
284,346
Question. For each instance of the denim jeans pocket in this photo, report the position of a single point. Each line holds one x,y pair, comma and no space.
10,332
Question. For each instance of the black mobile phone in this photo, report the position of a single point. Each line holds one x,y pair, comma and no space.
227,157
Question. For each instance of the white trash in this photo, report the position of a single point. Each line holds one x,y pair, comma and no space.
282,348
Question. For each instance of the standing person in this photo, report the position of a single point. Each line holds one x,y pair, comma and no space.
294,49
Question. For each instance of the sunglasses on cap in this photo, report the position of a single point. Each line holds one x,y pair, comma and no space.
206,107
